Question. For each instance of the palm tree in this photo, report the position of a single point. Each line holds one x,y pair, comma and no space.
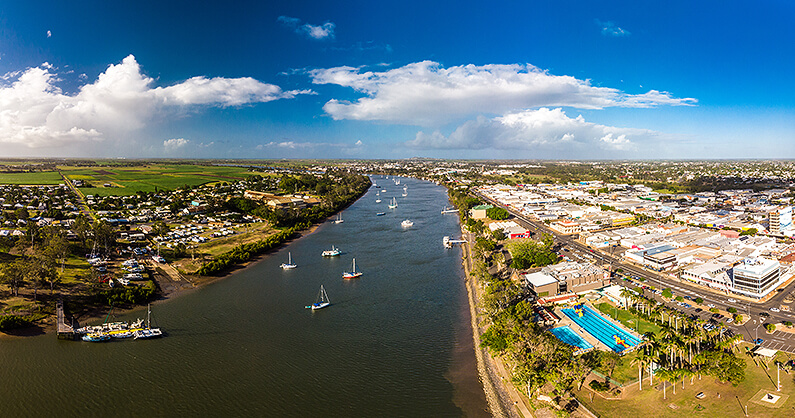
665,376
640,359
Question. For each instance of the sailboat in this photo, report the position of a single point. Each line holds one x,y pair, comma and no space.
322,300
378,197
339,219
353,274
393,204
289,264
148,332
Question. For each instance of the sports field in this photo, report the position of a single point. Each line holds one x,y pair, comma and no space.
149,178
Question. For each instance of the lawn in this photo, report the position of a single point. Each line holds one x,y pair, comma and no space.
218,246
650,403
148,178
36,178
627,319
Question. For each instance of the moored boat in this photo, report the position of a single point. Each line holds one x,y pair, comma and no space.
289,264
322,300
407,223
353,274
333,252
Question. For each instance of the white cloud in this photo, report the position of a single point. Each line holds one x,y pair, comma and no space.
318,32
425,93
175,143
49,34
36,113
292,145
541,129
611,29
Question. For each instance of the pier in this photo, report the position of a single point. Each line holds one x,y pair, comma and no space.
448,243
65,331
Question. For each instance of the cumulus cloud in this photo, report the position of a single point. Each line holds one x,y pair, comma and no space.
175,143
318,32
611,29
35,112
292,145
49,34
425,93
541,129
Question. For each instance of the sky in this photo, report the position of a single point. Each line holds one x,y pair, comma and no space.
363,79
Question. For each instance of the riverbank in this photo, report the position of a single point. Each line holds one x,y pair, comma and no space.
496,383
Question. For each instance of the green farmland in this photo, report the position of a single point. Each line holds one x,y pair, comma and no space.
30,179
148,178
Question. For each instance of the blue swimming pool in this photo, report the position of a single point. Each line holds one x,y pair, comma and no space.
602,329
570,337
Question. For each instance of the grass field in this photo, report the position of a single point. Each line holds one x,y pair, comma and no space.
130,180
627,319
37,178
650,403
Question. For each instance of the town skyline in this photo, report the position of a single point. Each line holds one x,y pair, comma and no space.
313,80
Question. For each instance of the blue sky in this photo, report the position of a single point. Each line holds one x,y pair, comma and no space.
317,79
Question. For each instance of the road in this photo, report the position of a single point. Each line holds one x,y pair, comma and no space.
574,249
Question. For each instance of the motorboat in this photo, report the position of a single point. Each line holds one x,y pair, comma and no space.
333,252
407,223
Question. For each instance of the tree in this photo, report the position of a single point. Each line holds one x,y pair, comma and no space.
498,234
13,275
666,293
497,214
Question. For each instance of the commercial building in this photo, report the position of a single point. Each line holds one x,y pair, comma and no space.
479,212
568,277
780,221
755,277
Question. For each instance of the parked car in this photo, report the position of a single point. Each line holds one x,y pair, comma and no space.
758,341
710,305
732,300
729,320
699,310
774,309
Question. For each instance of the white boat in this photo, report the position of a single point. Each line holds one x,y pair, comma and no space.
353,274
289,264
322,300
393,205
405,193
333,252
407,223
377,200
148,331
339,219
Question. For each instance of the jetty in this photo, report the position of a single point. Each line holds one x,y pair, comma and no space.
446,210
65,331
448,243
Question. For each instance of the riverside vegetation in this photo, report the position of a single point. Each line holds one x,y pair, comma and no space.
44,263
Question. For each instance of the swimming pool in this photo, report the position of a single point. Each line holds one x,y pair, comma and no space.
602,329
570,337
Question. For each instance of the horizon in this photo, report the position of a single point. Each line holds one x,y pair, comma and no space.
540,82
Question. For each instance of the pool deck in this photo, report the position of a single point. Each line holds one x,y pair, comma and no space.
590,338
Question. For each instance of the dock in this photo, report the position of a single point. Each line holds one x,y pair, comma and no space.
448,243
65,331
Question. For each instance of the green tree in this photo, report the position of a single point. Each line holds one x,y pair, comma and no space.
497,213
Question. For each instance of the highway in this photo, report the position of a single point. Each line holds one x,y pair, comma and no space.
756,311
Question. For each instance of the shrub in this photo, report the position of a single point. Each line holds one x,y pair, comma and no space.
788,324
699,300
732,310
738,319
680,299
599,386
13,321
713,310
770,327
667,294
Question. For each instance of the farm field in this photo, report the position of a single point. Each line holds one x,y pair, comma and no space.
130,180
36,178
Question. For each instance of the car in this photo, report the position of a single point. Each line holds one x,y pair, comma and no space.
688,297
774,309
765,314
732,300
699,309
729,320
687,305
758,341
701,395
716,315
710,305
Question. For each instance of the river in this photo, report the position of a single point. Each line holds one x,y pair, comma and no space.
396,342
